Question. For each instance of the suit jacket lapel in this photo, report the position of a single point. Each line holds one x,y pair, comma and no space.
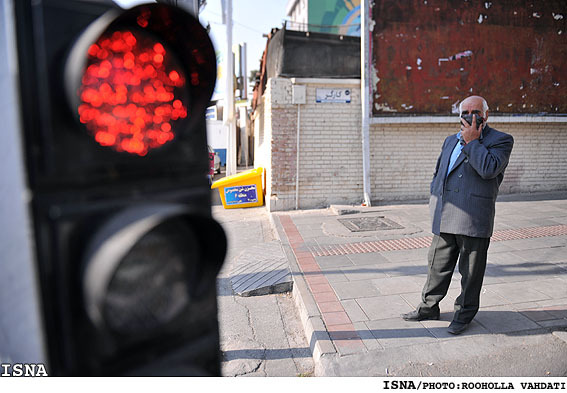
460,159
449,150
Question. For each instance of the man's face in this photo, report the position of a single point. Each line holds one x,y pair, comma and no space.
472,106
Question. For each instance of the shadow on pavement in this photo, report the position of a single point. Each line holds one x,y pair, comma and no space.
512,323
267,354
493,270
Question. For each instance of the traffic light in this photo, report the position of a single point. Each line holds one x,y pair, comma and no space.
113,105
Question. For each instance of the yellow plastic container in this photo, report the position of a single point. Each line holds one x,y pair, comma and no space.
241,190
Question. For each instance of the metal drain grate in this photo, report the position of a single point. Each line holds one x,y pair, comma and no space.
364,224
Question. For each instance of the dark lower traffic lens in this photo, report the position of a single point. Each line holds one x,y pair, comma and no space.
149,288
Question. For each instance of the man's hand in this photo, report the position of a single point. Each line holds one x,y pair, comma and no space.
470,132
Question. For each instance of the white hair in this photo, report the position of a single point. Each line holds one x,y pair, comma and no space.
484,107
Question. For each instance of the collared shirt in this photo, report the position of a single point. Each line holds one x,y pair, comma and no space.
456,152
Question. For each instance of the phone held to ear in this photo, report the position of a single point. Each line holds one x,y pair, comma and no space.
469,119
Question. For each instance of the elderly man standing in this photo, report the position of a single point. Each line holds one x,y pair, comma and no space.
463,195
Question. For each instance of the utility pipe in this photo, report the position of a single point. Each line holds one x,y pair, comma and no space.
297,159
365,58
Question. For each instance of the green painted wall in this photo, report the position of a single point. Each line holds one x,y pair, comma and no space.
334,16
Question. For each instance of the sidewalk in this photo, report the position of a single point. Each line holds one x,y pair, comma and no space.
351,284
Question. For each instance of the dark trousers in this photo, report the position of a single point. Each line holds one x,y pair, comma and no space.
444,252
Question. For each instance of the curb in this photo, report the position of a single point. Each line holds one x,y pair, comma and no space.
322,349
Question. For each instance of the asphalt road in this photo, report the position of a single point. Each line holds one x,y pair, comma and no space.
260,335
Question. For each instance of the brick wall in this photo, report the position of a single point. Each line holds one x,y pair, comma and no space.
330,169
330,161
402,159
539,159
402,156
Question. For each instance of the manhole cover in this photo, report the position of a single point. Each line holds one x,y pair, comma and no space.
363,224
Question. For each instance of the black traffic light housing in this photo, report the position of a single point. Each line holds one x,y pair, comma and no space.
127,251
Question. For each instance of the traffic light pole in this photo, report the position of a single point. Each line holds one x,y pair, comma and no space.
21,331
365,49
229,119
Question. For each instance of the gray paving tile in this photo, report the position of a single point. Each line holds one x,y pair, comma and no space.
371,258
534,244
354,311
515,222
395,269
384,307
419,279
364,272
538,315
496,274
543,221
412,299
550,303
557,311
517,292
560,220
419,254
308,234
543,255
489,298
439,329
354,290
496,247
555,288
311,227
396,285
534,270
501,226
367,338
505,258
503,319
333,261
396,332
309,220
331,240
555,323
526,306
335,275
493,275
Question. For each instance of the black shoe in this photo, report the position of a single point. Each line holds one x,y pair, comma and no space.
457,327
417,316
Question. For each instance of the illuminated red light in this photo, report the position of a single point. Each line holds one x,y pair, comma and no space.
142,21
131,92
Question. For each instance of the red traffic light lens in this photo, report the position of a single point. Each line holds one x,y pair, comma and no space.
132,92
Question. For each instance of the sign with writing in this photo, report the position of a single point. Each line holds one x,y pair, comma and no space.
333,95
240,194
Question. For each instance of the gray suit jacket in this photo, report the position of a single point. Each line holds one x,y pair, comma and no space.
462,203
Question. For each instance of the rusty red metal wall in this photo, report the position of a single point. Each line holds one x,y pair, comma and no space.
427,55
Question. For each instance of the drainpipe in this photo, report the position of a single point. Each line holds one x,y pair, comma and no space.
228,111
297,160
298,97
365,57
